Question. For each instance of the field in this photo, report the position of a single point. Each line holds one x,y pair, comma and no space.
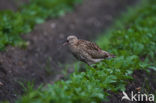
34,68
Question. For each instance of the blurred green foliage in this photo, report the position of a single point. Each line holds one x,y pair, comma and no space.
136,35
13,24
134,45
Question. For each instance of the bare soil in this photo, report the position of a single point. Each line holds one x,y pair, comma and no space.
11,4
40,61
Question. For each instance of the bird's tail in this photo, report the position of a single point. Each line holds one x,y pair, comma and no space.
112,55
108,55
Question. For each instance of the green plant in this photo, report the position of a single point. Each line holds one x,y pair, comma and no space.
13,24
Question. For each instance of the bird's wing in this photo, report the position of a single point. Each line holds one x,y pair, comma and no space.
92,49
89,45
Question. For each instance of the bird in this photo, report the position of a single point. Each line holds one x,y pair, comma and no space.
86,51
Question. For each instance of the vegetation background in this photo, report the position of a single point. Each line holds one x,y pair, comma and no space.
131,38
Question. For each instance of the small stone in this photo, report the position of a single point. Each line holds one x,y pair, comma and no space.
138,89
53,25
1,84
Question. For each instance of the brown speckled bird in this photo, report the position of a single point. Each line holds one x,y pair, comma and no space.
86,51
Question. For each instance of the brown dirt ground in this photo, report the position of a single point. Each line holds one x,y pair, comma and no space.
45,51
11,4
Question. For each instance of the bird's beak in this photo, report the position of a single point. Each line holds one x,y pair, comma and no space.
64,44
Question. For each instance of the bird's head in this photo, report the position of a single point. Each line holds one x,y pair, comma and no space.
71,40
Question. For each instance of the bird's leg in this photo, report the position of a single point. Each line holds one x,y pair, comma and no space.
94,66
91,64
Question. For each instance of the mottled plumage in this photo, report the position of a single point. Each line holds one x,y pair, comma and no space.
86,51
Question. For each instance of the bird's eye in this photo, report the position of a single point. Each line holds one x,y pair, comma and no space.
67,40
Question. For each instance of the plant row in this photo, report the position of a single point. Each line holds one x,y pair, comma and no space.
13,24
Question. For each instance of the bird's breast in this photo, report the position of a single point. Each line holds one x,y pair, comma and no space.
75,51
